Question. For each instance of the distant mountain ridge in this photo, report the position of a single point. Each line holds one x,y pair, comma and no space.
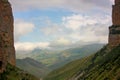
56,59
33,67
76,53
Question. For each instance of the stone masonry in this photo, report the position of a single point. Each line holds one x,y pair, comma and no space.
7,51
114,30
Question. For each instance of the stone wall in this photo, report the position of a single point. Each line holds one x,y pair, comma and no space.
7,51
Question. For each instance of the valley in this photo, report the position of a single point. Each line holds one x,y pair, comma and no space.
103,65
51,60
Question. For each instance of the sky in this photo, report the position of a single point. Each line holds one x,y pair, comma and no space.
50,24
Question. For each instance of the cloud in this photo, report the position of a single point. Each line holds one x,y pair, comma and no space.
60,43
63,41
74,22
22,28
29,46
78,21
78,27
73,28
112,1
73,5
88,28
51,28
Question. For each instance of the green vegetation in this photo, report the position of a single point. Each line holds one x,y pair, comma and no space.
58,58
33,67
69,70
75,53
13,73
104,65
51,60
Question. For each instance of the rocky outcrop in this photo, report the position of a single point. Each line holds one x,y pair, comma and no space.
114,36
114,30
116,13
7,51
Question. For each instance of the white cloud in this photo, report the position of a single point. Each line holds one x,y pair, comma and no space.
112,1
78,27
89,37
88,28
51,28
74,5
29,46
63,41
60,43
22,28
74,22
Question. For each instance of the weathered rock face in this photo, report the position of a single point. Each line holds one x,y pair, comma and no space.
114,36
114,30
117,1
116,13
7,51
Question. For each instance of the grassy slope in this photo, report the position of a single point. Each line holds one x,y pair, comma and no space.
104,65
14,73
33,67
76,53
69,70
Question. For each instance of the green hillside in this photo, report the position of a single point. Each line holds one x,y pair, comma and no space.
104,65
14,73
69,70
33,67
58,58
75,53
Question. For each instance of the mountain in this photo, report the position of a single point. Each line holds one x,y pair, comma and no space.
67,71
75,53
103,65
33,67
14,73
58,58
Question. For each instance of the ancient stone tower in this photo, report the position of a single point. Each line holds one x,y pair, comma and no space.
7,51
114,30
